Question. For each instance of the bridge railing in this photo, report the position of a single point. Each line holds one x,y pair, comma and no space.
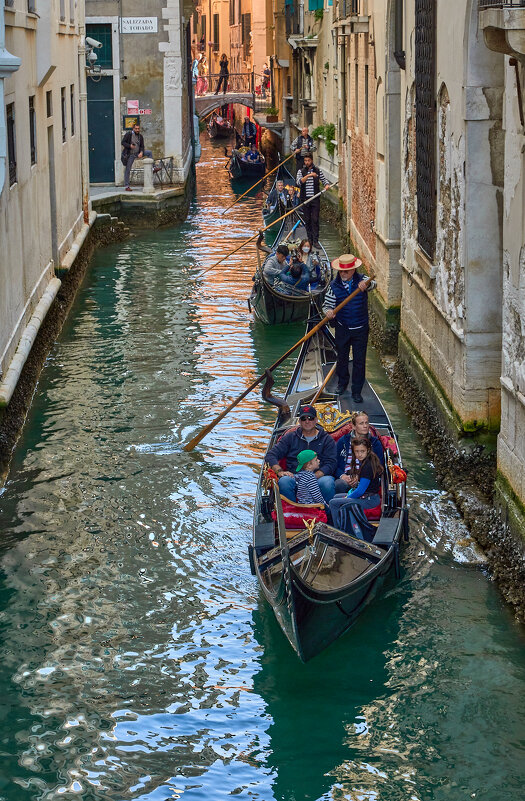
252,83
241,82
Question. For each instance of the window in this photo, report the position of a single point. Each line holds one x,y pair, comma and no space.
215,31
31,6
62,10
72,107
356,95
203,29
32,129
49,103
366,98
71,11
425,80
314,5
232,12
11,142
102,33
246,27
64,113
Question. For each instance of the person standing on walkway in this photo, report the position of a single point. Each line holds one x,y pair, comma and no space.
302,145
351,322
309,179
224,74
132,148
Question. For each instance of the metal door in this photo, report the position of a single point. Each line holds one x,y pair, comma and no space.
101,130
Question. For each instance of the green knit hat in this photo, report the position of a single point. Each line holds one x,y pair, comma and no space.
303,457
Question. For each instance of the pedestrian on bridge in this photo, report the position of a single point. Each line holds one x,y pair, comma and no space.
224,74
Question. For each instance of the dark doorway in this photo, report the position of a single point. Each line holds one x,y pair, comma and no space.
101,130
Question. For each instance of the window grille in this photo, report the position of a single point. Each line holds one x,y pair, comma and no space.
32,129
215,32
425,80
11,142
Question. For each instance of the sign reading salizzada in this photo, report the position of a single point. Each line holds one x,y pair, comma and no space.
138,25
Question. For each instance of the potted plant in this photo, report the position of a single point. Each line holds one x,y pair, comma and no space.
272,114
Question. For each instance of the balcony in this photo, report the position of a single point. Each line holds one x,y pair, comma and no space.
351,16
503,26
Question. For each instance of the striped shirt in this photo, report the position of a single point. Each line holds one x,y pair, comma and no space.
309,185
308,488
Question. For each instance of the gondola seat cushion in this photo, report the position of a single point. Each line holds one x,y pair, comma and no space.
296,513
373,514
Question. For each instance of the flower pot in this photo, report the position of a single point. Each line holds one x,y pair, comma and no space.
272,118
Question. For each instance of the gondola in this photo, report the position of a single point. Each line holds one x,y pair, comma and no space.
220,128
317,579
281,303
244,169
273,208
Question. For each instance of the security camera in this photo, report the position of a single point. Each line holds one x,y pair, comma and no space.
93,42
92,57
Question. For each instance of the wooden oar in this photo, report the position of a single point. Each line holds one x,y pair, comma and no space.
258,182
262,230
206,430
325,382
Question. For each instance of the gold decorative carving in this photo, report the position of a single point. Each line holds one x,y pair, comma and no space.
330,417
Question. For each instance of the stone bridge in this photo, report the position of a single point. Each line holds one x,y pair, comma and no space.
205,104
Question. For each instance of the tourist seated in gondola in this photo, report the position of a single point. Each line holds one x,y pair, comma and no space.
347,508
345,479
296,277
308,435
307,483
275,264
305,254
279,195
253,155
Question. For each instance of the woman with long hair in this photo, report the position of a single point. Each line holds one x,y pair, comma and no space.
367,469
224,73
304,254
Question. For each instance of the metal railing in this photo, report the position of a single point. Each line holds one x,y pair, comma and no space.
500,4
250,83
162,172
347,8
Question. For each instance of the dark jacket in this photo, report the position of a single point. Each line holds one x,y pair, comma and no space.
126,142
355,313
302,188
293,441
249,129
223,64
343,449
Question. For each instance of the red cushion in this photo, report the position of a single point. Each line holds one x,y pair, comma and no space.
373,514
296,513
341,431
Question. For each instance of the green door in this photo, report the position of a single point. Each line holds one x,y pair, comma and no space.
101,130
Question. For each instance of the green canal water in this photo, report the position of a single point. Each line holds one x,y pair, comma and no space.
137,657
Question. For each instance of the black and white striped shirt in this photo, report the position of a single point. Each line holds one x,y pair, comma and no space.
308,488
309,185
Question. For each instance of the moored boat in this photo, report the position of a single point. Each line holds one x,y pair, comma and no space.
274,303
317,578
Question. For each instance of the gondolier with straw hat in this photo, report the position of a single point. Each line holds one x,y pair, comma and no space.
351,322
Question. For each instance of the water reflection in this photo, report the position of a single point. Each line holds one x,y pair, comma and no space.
137,657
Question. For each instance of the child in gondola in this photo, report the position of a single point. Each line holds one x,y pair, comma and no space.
368,469
308,490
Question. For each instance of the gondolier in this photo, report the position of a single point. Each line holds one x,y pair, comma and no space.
309,179
249,132
302,145
351,322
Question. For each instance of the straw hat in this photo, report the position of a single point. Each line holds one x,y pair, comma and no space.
346,262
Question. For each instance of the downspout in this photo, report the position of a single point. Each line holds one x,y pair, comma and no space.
8,65
82,98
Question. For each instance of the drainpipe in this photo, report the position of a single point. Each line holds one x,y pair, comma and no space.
84,147
8,65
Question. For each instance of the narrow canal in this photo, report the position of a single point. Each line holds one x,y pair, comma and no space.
137,659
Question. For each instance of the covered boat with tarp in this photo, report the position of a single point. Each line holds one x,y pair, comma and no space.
274,301
319,579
